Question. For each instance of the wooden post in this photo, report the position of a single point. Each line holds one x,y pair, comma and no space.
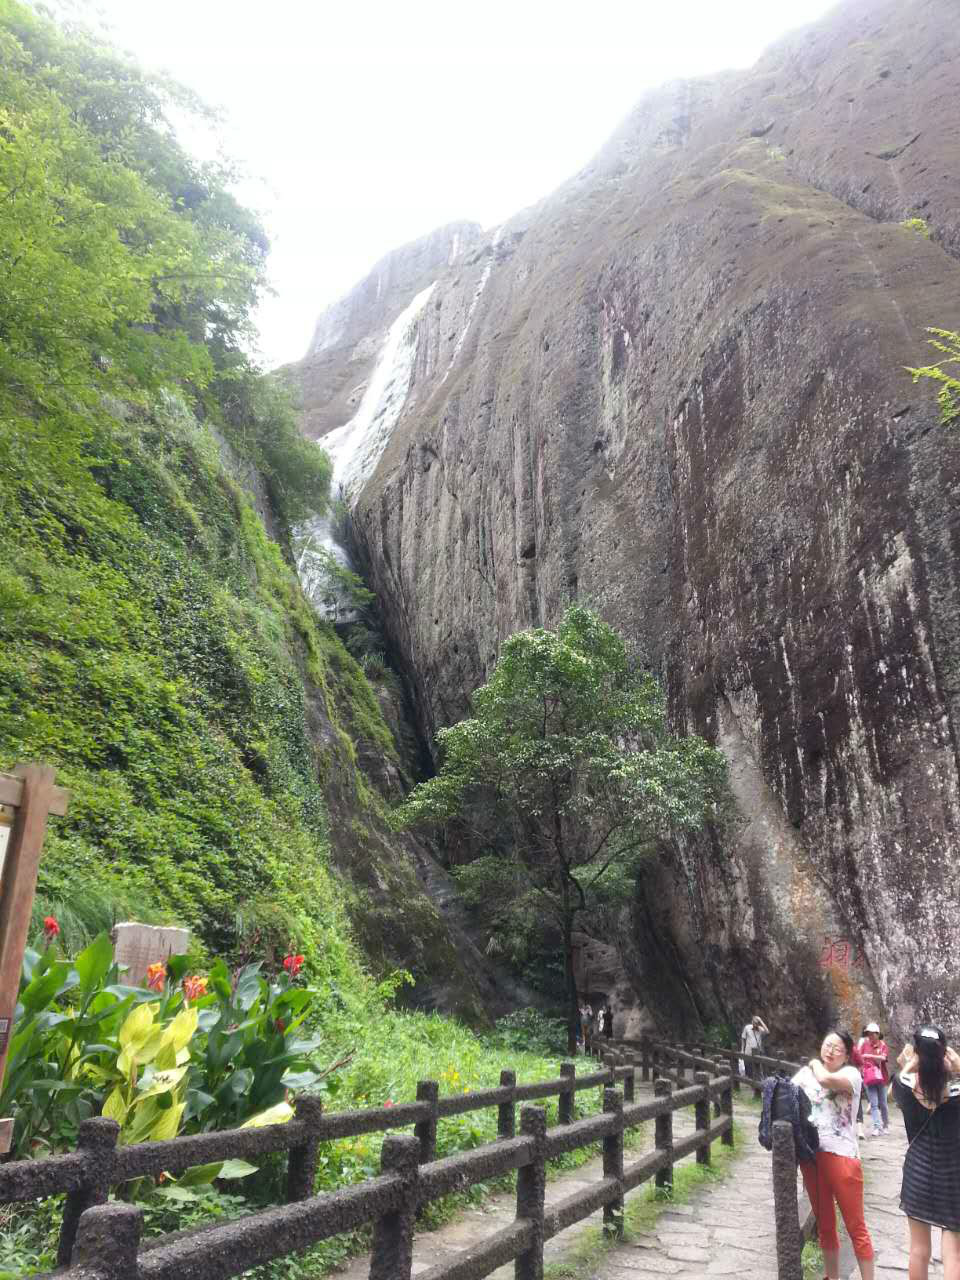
701,1111
663,1137
531,1187
391,1257
31,793
565,1102
613,1162
426,1131
506,1111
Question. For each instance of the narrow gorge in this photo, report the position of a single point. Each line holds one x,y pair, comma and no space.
676,390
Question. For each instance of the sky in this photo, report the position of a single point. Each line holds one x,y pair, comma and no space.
363,124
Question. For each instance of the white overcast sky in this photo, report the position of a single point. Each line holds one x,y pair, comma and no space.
368,123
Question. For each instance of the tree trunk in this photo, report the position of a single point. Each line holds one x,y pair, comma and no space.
573,1003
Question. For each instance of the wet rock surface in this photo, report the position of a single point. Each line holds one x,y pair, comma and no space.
676,390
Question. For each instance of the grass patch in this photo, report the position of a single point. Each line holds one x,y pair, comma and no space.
812,1261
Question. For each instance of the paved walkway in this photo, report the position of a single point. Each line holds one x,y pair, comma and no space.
726,1228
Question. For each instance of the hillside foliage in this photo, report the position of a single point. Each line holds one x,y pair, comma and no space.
154,644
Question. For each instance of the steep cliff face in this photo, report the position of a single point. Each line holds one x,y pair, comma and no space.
676,389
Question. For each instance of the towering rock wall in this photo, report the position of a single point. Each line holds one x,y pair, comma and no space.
676,389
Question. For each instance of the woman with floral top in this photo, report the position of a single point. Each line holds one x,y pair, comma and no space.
833,1083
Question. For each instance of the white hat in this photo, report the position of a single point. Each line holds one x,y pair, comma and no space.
872,1026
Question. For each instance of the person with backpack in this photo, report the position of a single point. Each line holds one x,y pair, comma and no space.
832,1083
927,1090
873,1054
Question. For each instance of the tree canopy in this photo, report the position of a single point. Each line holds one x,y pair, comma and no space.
569,743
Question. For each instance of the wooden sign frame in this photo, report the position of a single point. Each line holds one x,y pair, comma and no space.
31,792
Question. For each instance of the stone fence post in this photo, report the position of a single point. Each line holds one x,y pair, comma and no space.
613,1162
506,1111
663,1136
565,1101
645,1056
108,1237
302,1159
426,1130
701,1112
531,1187
391,1257
786,1214
97,1140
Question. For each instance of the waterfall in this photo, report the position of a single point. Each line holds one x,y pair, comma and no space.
355,449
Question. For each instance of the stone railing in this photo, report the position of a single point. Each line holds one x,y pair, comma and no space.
101,1241
662,1059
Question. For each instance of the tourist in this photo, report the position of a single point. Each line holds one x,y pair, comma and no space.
608,1021
858,1063
928,1094
833,1084
751,1041
873,1054
588,1028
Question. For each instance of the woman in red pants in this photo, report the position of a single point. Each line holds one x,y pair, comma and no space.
833,1083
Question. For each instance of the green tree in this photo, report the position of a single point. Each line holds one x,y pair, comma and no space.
947,342
569,741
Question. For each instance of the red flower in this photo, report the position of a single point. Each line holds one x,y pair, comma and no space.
194,987
50,927
293,964
388,1103
280,1025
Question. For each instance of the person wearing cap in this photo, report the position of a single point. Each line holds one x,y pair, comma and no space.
927,1091
873,1055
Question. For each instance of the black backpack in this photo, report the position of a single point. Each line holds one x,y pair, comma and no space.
783,1100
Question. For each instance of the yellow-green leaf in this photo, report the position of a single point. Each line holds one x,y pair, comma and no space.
168,1123
137,1026
278,1114
115,1108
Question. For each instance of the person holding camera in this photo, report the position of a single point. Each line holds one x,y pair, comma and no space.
833,1084
927,1090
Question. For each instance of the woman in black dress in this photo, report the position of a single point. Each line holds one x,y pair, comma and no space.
927,1091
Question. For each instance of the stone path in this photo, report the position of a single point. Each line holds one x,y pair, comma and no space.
726,1229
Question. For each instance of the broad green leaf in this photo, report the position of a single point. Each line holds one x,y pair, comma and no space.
176,1192
38,993
200,1175
236,1169
93,963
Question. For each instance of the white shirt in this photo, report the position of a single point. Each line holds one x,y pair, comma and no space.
834,1114
751,1039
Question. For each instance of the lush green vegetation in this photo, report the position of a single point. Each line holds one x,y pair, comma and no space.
154,644
203,1051
569,746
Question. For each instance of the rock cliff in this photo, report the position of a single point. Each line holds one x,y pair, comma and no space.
676,389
